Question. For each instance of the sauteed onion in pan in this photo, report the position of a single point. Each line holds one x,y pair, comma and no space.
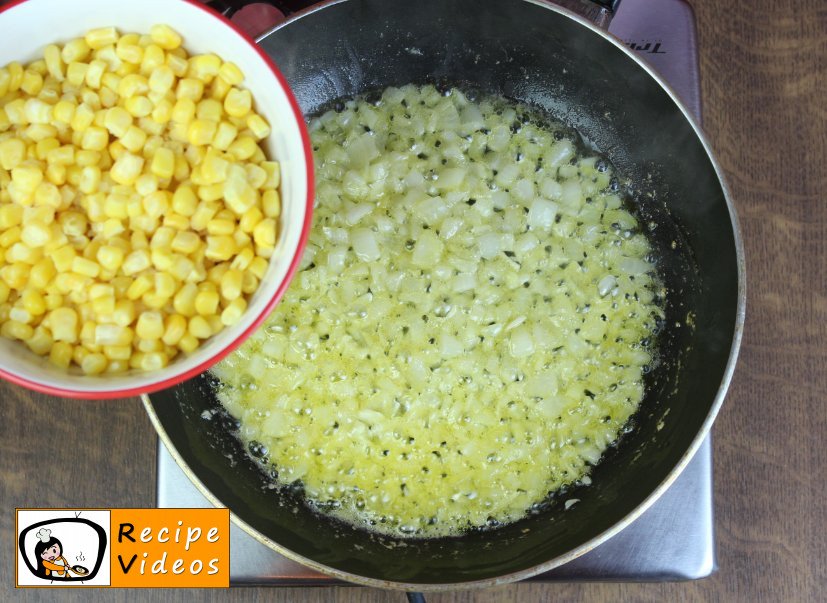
471,325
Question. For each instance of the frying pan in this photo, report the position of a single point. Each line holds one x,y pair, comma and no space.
543,55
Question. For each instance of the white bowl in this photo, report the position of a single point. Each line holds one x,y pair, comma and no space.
29,25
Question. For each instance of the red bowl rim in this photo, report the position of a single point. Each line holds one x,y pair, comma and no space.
291,270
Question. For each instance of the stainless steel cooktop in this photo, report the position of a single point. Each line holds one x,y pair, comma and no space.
672,540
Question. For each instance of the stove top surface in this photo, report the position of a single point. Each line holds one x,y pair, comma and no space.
674,538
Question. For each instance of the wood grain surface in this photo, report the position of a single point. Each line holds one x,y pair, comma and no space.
764,67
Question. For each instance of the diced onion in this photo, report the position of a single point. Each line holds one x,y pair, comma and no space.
466,334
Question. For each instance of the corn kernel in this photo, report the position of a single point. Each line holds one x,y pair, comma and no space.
179,65
258,126
124,312
95,139
206,302
10,215
12,153
138,106
54,62
113,335
185,242
35,234
209,108
15,75
258,267
220,226
61,354
130,53
133,139
188,343
231,284
94,73
135,262
220,248
75,50
63,257
40,276
271,204
150,325
5,80
56,174
238,194
85,157
184,300
165,285
85,267
153,59
242,259
183,111
14,111
251,218
93,363
127,168
230,73
199,327
242,148
204,67
165,37
238,102
153,361
184,201
249,282
190,88
37,112
175,328
201,131
162,112
63,155
32,82
82,117
41,342
13,329
110,257
10,236
219,89
76,73
103,36
63,322
117,121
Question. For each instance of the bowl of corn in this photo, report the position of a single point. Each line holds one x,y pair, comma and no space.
156,191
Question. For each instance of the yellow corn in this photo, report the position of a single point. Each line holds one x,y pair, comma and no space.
32,82
94,73
190,88
77,211
133,139
98,38
206,303
138,106
150,325
199,327
238,102
183,111
258,126
165,37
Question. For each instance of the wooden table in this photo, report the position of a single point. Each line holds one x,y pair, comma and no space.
764,68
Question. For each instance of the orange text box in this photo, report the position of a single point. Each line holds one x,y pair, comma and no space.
170,548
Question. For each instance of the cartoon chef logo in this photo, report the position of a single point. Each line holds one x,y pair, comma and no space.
62,548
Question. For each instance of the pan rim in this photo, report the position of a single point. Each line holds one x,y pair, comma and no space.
657,492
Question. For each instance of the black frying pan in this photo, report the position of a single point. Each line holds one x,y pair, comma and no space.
530,51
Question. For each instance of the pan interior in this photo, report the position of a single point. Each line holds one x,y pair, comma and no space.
521,50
